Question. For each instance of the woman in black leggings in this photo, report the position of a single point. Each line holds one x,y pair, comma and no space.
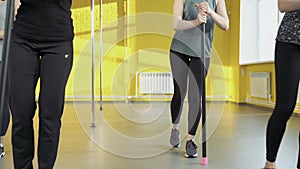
41,49
287,60
5,114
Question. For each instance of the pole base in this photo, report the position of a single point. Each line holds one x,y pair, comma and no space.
204,161
93,125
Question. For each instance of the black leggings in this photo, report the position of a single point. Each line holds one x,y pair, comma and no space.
287,60
187,70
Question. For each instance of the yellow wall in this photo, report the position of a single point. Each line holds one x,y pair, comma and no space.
147,49
227,46
147,32
264,67
122,56
114,51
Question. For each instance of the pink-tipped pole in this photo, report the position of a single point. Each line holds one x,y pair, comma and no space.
204,161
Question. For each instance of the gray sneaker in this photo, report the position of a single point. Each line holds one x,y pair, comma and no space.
191,149
174,138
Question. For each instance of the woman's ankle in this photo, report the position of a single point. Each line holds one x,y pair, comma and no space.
269,164
175,126
190,137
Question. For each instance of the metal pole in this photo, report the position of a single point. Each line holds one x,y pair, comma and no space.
204,160
101,53
5,52
93,60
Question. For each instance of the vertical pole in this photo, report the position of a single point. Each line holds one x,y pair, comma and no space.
101,53
204,160
93,60
5,52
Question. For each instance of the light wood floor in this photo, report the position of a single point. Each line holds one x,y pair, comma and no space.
135,135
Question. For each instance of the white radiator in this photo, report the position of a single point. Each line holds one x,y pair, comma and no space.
260,84
155,83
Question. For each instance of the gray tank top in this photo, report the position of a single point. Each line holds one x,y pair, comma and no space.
189,41
2,22
289,30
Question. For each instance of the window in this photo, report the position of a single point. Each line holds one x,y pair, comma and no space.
259,21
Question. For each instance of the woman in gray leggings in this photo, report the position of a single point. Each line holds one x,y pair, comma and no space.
186,63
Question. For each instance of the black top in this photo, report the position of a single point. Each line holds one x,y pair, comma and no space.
289,30
44,20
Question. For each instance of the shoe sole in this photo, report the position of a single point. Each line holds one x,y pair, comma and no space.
176,146
191,156
2,155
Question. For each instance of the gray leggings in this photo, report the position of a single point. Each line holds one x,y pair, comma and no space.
186,70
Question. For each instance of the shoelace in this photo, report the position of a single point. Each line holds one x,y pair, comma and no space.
194,145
